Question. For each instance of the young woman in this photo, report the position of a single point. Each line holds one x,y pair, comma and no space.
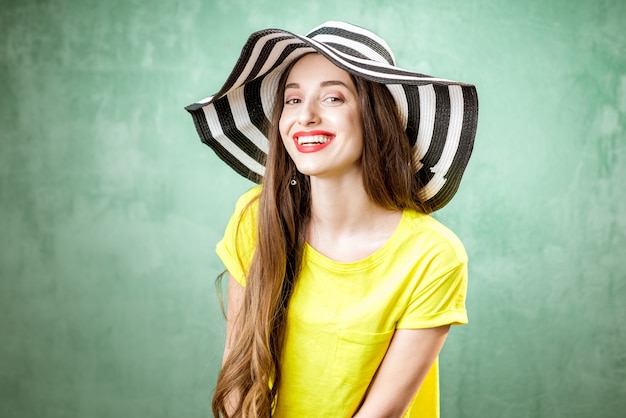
341,287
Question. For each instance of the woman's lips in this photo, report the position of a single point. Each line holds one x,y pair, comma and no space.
312,141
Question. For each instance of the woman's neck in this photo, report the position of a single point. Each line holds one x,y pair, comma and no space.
345,224
340,205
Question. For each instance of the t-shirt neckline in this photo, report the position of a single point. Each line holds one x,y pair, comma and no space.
312,255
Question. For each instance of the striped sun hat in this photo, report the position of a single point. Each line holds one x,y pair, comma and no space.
439,115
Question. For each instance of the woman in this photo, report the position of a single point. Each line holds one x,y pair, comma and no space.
342,288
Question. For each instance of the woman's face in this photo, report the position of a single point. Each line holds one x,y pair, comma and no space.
321,119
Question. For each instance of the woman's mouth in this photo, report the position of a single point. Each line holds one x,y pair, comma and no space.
312,141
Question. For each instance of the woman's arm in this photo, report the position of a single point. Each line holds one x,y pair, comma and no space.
235,300
409,358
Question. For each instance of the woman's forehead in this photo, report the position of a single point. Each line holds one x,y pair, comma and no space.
318,69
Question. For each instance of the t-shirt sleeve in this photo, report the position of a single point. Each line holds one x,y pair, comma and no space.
236,248
439,297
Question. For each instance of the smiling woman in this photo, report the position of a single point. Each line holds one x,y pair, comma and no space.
342,288
320,124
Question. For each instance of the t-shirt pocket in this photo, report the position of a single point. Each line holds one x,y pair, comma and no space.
358,356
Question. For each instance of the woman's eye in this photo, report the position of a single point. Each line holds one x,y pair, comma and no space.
333,99
292,101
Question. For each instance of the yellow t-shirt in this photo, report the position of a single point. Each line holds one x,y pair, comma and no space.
342,315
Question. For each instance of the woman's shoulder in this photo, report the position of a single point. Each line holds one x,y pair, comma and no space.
249,196
246,209
246,205
427,231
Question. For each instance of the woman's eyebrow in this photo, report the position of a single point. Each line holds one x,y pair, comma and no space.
333,83
322,84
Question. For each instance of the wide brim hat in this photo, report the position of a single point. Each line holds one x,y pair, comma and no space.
439,115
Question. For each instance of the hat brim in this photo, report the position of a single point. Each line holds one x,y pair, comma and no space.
439,115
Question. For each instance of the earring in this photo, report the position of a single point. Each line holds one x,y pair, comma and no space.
293,181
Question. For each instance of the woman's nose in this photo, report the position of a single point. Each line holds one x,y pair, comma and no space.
309,113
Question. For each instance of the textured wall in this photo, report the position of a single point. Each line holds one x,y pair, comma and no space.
110,206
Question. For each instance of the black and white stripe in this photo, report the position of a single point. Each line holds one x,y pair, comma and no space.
439,115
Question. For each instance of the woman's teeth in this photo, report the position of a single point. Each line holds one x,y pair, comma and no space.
313,140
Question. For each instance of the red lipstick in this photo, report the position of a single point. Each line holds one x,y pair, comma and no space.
305,142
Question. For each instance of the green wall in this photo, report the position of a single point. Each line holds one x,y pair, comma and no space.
110,206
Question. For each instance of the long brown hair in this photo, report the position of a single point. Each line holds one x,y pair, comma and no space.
251,375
